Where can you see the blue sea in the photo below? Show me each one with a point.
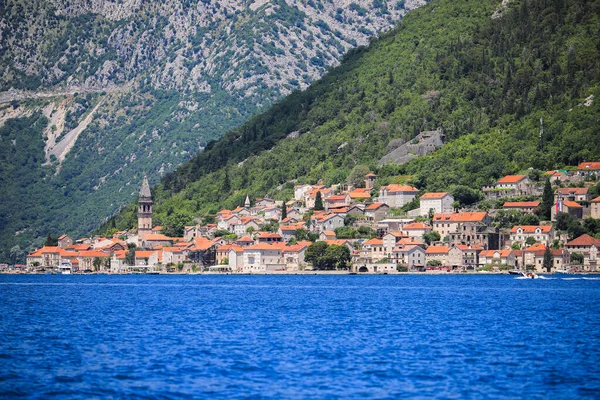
(298, 337)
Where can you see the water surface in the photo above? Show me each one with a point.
(299, 337)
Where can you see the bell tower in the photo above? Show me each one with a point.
(144, 212)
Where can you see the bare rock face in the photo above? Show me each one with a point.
(250, 48)
(424, 143)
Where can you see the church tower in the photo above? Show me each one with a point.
(144, 212)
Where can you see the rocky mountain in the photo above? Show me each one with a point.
(511, 86)
(94, 93)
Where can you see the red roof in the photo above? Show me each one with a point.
(265, 246)
(370, 175)
(361, 193)
(157, 236)
(373, 242)
(417, 226)
(92, 253)
(437, 250)
(596, 200)
(375, 206)
(144, 253)
(339, 197)
(395, 188)
(593, 166)
(584, 240)
(574, 191)
(512, 179)
(434, 195)
(478, 216)
(535, 247)
(521, 204)
(571, 204)
(53, 250)
(501, 253)
(531, 228)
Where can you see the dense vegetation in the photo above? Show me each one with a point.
(487, 82)
(168, 77)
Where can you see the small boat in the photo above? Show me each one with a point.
(515, 272)
(530, 275)
(563, 271)
(65, 268)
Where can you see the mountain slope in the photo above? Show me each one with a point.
(485, 81)
(133, 87)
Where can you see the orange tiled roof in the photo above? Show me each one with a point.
(268, 235)
(531, 228)
(501, 253)
(437, 250)
(373, 242)
(535, 247)
(574, 191)
(571, 204)
(596, 200)
(264, 246)
(93, 253)
(584, 240)
(416, 225)
(53, 250)
(594, 166)
(337, 242)
(329, 233)
(521, 204)
(157, 236)
(360, 193)
(375, 206)
(434, 195)
(336, 197)
(512, 179)
(476, 216)
(410, 240)
(144, 253)
(395, 188)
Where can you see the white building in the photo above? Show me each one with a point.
(396, 196)
(439, 202)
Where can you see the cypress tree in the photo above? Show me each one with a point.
(319, 202)
(548, 259)
(283, 211)
(547, 201)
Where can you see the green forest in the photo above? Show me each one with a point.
(488, 83)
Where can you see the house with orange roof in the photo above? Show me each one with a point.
(396, 196)
(79, 247)
(416, 229)
(272, 212)
(339, 242)
(287, 232)
(511, 186)
(64, 241)
(595, 208)
(461, 255)
(439, 253)
(445, 224)
(245, 241)
(228, 222)
(293, 256)
(587, 246)
(311, 195)
(300, 191)
(147, 258)
(497, 257)
(568, 207)
(49, 257)
(202, 252)
(154, 240)
(327, 235)
(235, 258)
(174, 255)
(86, 260)
(571, 194)
(541, 233)
(589, 168)
(439, 202)
(244, 224)
(268, 237)
(533, 257)
(359, 194)
(223, 253)
(325, 222)
(263, 257)
(527, 207)
(372, 251)
(409, 255)
(377, 211)
(390, 240)
(556, 176)
(336, 201)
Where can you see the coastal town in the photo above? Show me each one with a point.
(369, 229)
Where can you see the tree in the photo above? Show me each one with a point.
(51, 240)
(97, 263)
(465, 195)
(529, 219)
(130, 256)
(530, 241)
(434, 263)
(16, 254)
(515, 246)
(315, 252)
(548, 259)
(283, 211)
(319, 202)
(431, 237)
(547, 201)
(577, 258)
(336, 257)
(356, 177)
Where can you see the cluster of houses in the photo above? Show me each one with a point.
(258, 238)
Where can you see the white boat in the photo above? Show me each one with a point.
(64, 268)
(563, 271)
(530, 275)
